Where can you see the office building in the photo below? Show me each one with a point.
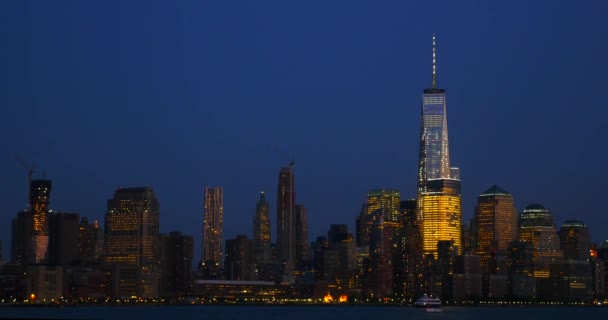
(132, 237)
(213, 216)
(495, 227)
(286, 216)
(63, 239)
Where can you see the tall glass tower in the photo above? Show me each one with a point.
(439, 208)
(434, 153)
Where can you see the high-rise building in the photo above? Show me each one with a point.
(301, 233)
(212, 228)
(439, 208)
(386, 203)
(286, 216)
(536, 227)
(575, 240)
(21, 238)
(261, 224)
(239, 259)
(434, 152)
(380, 272)
(90, 240)
(495, 227)
(30, 227)
(176, 275)
(440, 215)
(40, 196)
(63, 239)
(132, 236)
(409, 266)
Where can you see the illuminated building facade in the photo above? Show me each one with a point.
(439, 215)
(439, 207)
(286, 216)
(261, 223)
(385, 202)
(40, 196)
(132, 236)
(495, 227)
(212, 227)
(536, 227)
(575, 240)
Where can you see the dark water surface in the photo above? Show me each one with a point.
(301, 312)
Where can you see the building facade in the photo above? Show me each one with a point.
(286, 216)
(132, 236)
(213, 216)
(439, 207)
(495, 227)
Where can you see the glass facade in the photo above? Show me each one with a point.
(495, 226)
(434, 157)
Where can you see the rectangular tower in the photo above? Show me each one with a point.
(286, 216)
(132, 235)
(212, 227)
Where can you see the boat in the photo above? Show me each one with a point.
(428, 302)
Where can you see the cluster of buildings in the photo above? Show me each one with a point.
(402, 248)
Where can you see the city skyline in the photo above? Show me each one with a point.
(500, 80)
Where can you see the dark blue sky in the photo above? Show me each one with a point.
(182, 95)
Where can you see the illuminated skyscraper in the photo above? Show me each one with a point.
(536, 227)
(439, 208)
(386, 203)
(132, 235)
(90, 240)
(30, 228)
(40, 195)
(495, 226)
(212, 227)
(261, 224)
(434, 153)
(286, 216)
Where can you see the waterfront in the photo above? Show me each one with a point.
(213, 312)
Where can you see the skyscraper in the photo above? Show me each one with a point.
(90, 240)
(301, 233)
(439, 206)
(212, 227)
(40, 196)
(63, 238)
(536, 227)
(575, 240)
(30, 227)
(176, 276)
(132, 235)
(286, 216)
(384, 202)
(261, 224)
(495, 227)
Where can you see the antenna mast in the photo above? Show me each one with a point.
(434, 64)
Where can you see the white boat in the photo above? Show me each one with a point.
(427, 302)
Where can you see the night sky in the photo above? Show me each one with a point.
(187, 94)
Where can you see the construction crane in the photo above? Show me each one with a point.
(30, 171)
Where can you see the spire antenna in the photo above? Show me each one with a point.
(434, 63)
